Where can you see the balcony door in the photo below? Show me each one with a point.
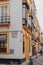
(3, 14)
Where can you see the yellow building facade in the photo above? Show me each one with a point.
(36, 37)
(16, 30)
(27, 38)
(4, 23)
(26, 30)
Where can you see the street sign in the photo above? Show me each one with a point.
(14, 34)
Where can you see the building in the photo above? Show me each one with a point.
(16, 19)
(15, 31)
(35, 38)
(41, 39)
(26, 29)
(11, 31)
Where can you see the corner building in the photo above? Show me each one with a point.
(15, 31)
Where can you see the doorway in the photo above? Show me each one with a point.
(33, 50)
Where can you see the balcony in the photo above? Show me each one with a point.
(25, 27)
(25, 3)
(4, 20)
(24, 22)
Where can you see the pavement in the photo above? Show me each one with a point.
(34, 58)
(36, 61)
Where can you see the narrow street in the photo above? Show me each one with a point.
(21, 32)
(36, 61)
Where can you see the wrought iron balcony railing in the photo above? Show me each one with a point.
(27, 5)
(4, 20)
(24, 22)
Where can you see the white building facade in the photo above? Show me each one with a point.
(14, 22)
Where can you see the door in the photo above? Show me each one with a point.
(33, 50)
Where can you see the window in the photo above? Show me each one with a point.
(3, 42)
(23, 47)
(23, 10)
(4, 14)
(29, 44)
(4, 10)
(23, 44)
(24, 15)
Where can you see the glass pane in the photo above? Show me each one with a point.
(3, 42)
(2, 11)
(0, 14)
(23, 13)
(6, 12)
(5, 45)
(1, 45)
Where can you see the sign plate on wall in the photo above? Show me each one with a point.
(14, 34)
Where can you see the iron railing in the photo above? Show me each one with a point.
(24, 22)
(27, 5)
(4, 19)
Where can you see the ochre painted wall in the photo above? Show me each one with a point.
(27, 46)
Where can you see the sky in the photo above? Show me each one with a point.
(39, 8)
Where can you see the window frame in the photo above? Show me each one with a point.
(7, 52)
(7, 21)
(23, 45)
